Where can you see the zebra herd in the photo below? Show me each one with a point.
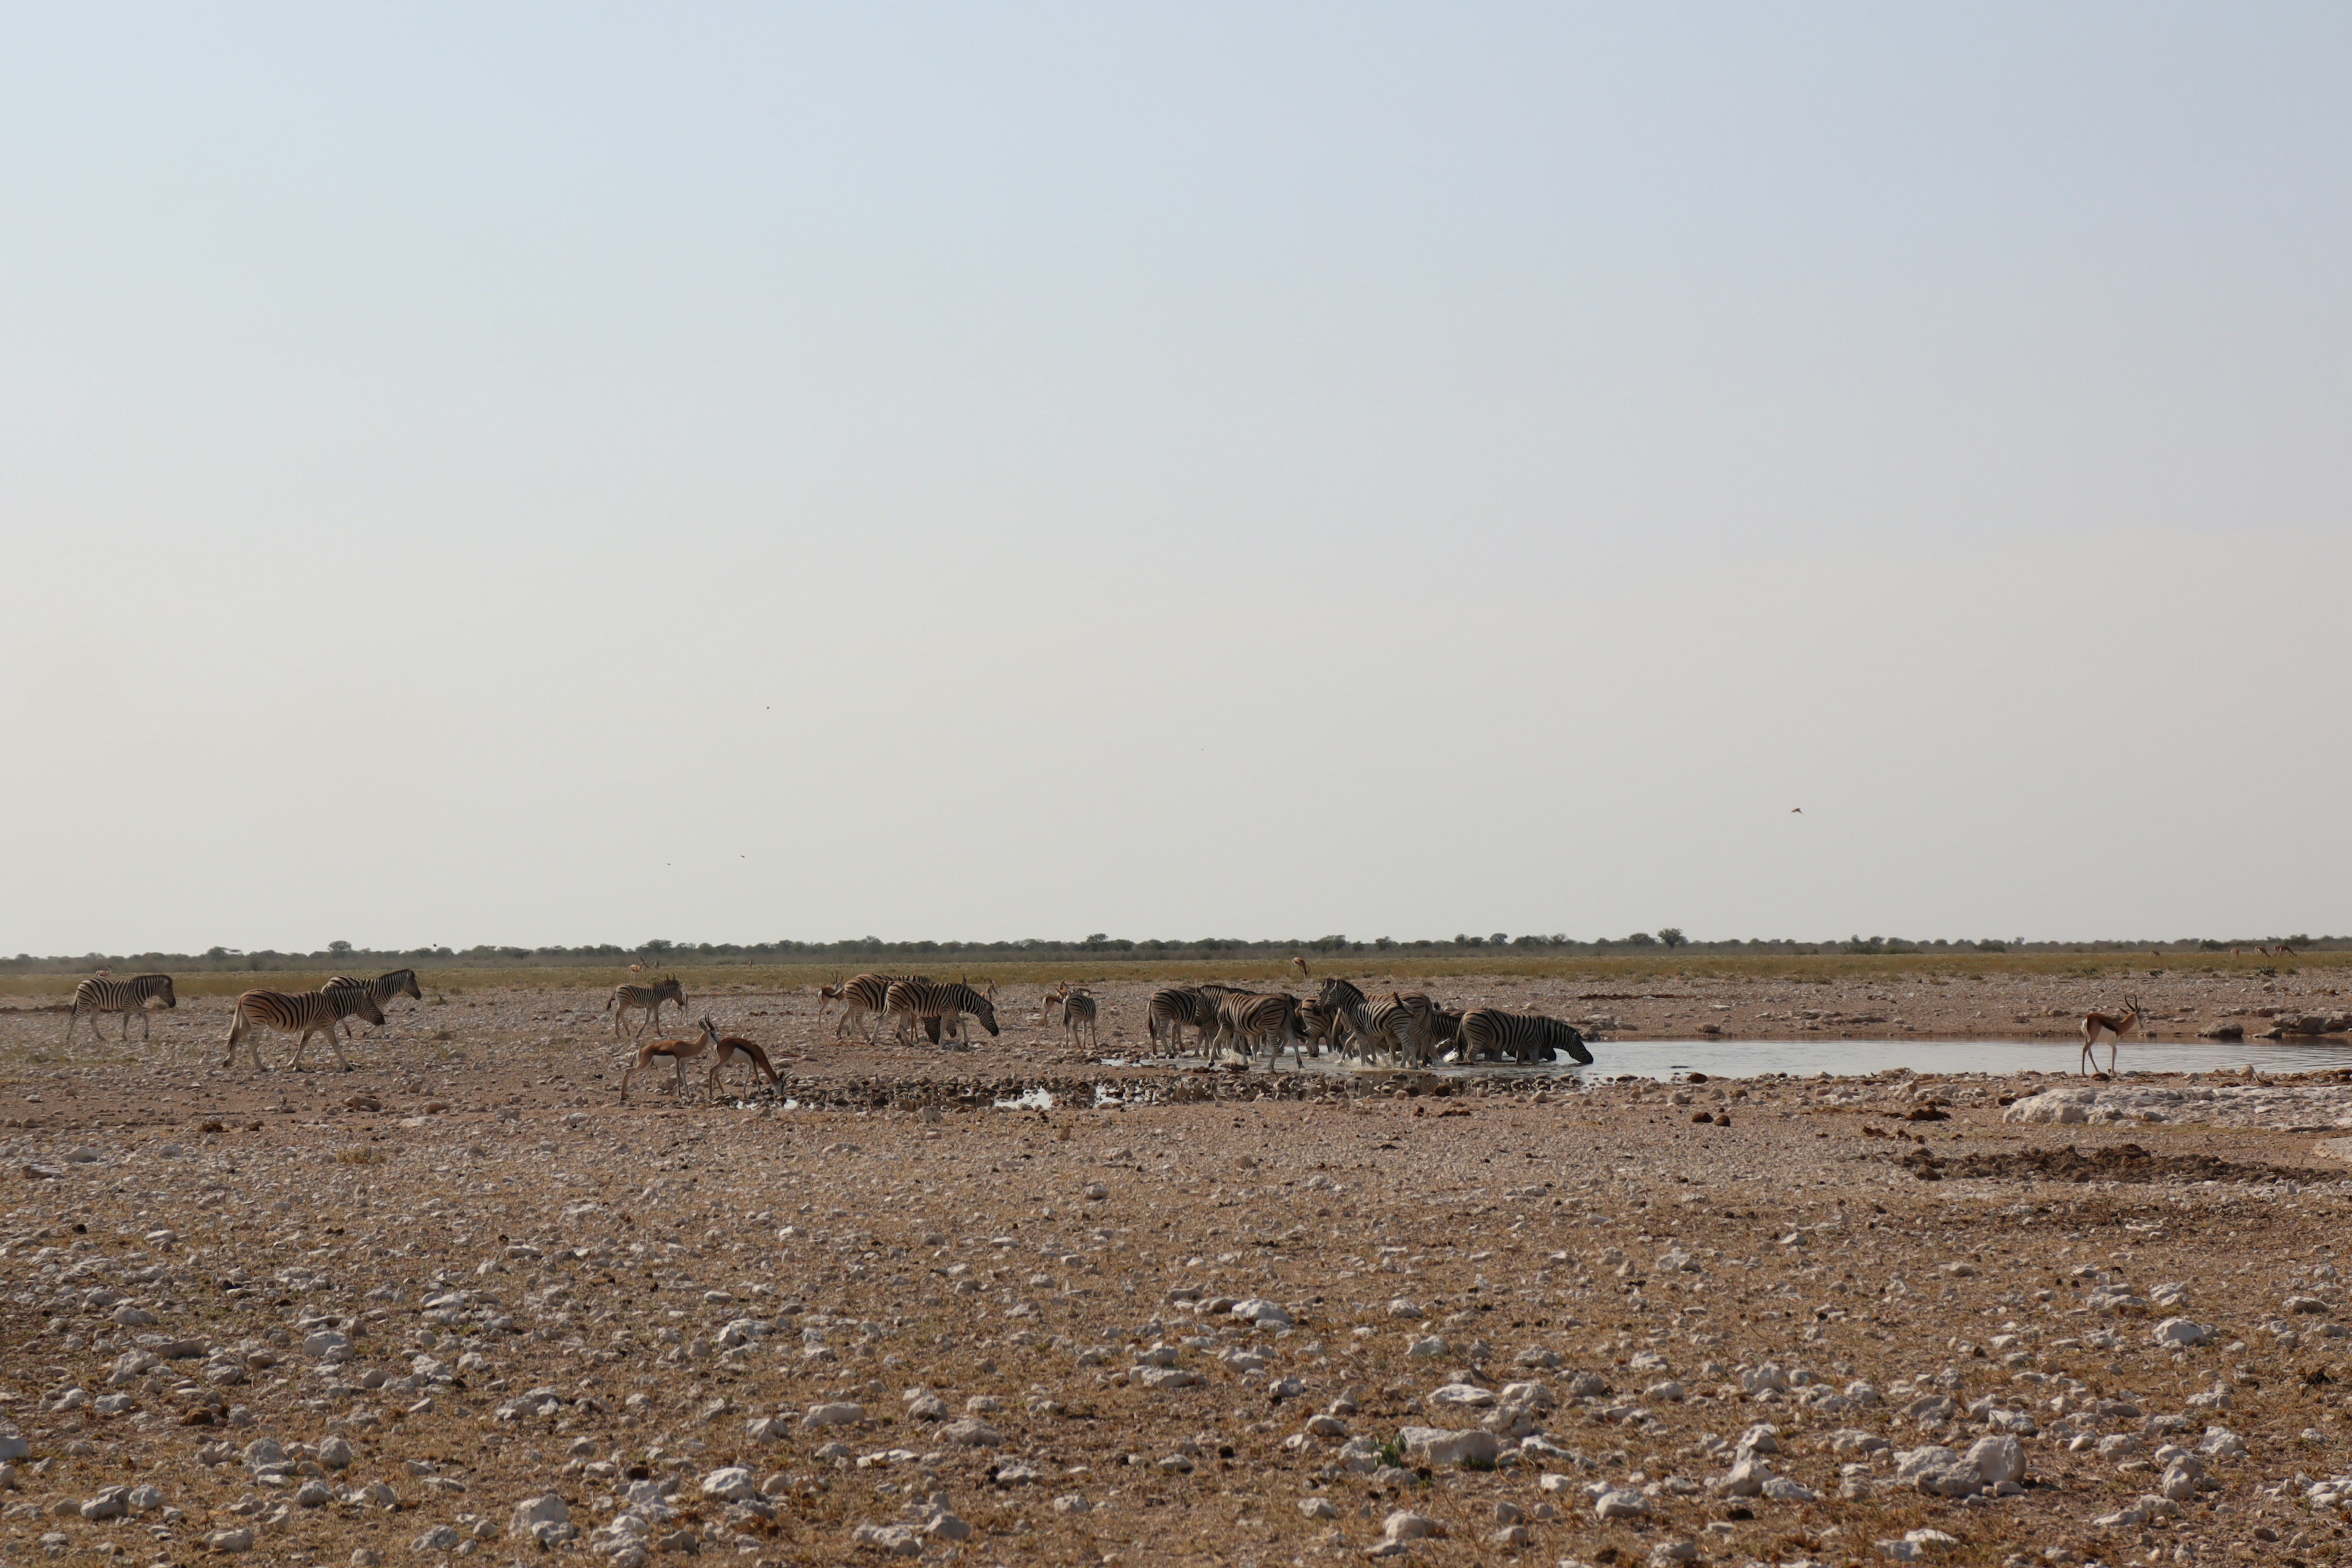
(1404, 1029)
(302, 1014)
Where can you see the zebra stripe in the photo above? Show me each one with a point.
(1522, 1037)
(860, 996)
(1406, 1024)
(1172, 1007)
(1244, 1020)
(1077, 1008)
(920, 1001)
(380, 990)
(123, 996)
(648, 999)
(299, 1012)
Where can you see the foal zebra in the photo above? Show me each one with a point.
(860, 996)
(380, 990)
(1522, 1037)
(628, 999)
(931, 1002)
(123, 996)
(299, 1012)
(1077, 1008)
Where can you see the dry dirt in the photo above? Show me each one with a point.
(313, 1315)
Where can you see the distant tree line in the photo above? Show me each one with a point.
(854, 950)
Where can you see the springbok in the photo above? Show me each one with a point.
(2109, 1028)
(723, 1051)
(1300, 959)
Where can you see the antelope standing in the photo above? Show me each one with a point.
(2111, 1029)
(724, 1051)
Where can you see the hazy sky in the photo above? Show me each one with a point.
(576, 473)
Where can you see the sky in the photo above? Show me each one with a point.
(577, 473)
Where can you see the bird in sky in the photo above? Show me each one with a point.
(1796, 811)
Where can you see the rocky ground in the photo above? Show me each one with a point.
(461, 1302)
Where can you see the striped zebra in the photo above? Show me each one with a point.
(99, 997)
(861, 997)
(382, 988)
(648, 999)
(1246, 1020)
(1521, 1037)
(1404, 1026)
(1351, 1019)
(299, 1012)
(933, 1004)
(1077, 1008)
(1173, 1009)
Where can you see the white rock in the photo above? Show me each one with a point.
(1780, 1489)
(1458, 1395)
(1401, 1307)
(1318, 1507)
(1616, 1503)
(1404, 1526)
(1265, 1314)
(729, 1485)
(1997, 1462)
(970, 1433)
(1436, 1446)
(841, 1413)
(2180, 1331)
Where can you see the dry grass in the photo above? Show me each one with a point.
(1826, 968)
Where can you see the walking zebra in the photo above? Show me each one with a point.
(123, 996)
(1077, 1008)
(1522, 1037)
(299, 1012)
(936, 1004)
(381, 989)
(628, 999)
(1245, 1020)
(1173, 1007)
(861, 997)
(1405, 1026)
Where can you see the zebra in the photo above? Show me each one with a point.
(1172, 1007)
(1522, 1037)
(302, 1014)
(384, 988)
(1077, 1008)
(124, 997)
(860, 995)
(937, 1003)
(1245, 1019)
(1350, 1017)
(1407, 1025)
(628, 999)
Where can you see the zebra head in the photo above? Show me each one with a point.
(1573, 1041)
(985, 1011)
(407, 987)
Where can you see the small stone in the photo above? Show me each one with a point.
(1318, 1507)
(1617, 1503)
(239, 1540)
(1071, 1503)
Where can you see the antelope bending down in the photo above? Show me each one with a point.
(724, 1051)
(2107, 1027)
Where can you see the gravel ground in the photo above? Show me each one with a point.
(460, 1301)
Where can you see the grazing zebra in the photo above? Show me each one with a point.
(724, 1051)
(384, 988)
(860, 996)
(940, 1005)
(1522, 1037)
(1245, 1020)
(628, 999)
(124, 997)
(1077, 1008)
(1172, 1007)
(299, 1013)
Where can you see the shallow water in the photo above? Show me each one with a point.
(1665, 1059)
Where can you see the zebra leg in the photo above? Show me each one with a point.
(341, 1060)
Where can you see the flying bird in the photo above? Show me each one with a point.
(1796, 811)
